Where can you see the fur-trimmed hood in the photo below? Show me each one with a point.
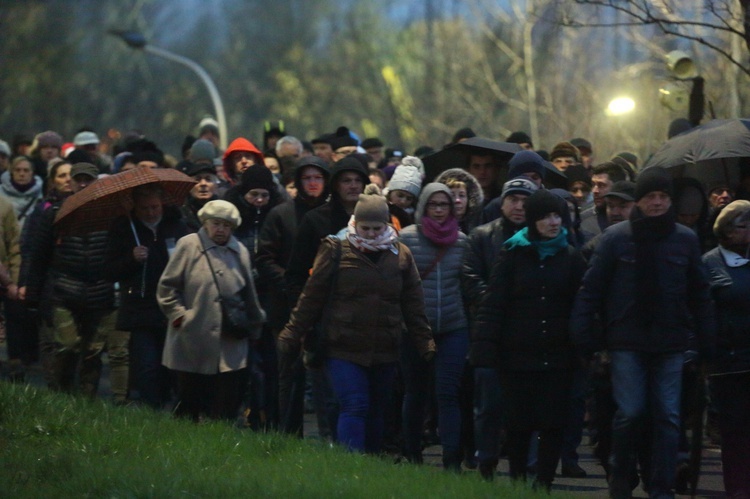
(473, 189)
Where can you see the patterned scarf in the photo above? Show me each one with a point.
(381, 243)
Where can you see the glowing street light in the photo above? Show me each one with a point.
(136, 40)
(620, 106)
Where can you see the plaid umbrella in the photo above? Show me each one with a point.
(95, 207)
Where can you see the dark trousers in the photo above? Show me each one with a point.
(517, 445)
(291, 394)
(731, 397)
(152, 379)
(22, 332)
(218, 396)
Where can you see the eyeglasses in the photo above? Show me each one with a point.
(441, 206)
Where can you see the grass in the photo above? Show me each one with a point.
(52, 445)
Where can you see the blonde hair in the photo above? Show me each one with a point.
(455, 184)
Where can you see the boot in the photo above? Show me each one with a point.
(487, 469)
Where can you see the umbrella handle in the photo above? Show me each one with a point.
(138, 243)
(135, 234)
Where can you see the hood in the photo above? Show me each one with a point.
(239, 144)
(11, 190)
(428, 191)
(317, 162)
(473, 189)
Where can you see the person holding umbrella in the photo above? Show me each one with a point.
(138, 250)
(67, 283)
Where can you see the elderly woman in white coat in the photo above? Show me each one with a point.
(210, 366)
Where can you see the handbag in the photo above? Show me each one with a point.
(314, 353)
(235, 322)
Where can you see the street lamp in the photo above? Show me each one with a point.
(683, 68)
(620, 105)
(136, 40)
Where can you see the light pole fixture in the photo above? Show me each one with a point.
(136, 40)
(620, 106)
(683, 68)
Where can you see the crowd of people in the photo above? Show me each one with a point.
(491, 308)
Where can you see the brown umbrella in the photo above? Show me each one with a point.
(95, 207)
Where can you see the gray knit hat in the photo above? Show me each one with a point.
(223, 210)
(372, 206)
(406, 178)
(519, 185)
(203, 151)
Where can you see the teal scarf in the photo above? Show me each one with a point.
(544, 248)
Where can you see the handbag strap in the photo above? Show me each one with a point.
(211, 267)
(440, 254)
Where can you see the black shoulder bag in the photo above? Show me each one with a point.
(235, 322)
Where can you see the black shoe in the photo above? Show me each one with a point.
(573, 471)
(488, 469)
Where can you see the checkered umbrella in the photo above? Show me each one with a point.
(96, 206)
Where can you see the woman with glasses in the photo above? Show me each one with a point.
(438, 248)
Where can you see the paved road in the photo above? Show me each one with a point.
(595, 485)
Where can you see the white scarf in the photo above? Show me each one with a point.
(381, 243)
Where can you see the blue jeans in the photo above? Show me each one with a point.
(362, 392)
(448, 369)
(645, 382)
(488, 413)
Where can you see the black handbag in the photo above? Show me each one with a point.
(235, 321)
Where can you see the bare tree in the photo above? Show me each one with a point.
(718, 17)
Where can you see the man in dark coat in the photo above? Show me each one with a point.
(67, 282)
(594, 218)
(138, 250)
(276, 240)
(647, 283)
(484, 245)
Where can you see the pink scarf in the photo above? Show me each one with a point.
(444, 234)
(381, 243)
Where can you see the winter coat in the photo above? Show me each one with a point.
(484, 244)
(474, 193)
(138, 281)
(187, 290)
(522, 323)
(442, 287)
(10, 253)
(275, 243)
(68, 268)
(371, 302)
(609, 288)
(315, 225)
(189, 211)
(730, 288)
(23, 202)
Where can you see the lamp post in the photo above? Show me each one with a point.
(683, 68)
(136, 40)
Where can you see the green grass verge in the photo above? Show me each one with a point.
(52, 445)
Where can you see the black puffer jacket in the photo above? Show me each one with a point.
(252, 217)
(523, 320)
(73, 266)
(138, 281)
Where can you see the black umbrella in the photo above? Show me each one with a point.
(457, 155)
(708, 152)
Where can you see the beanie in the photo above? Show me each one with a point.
(406, 178)
(519, 138)
(85, 138)
(203, 150)
(372, 206)
(653, 179)
(565, 150)
(577, 173)
(49, 139)
(582, 144)
(539, 205)
(729, 215)
(256, 177)
(342, 138)
(678, 126)
(519, 185)
(78, 156)
(524, 162)
(463, 133)
(222, 210)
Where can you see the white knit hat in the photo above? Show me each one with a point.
(406, 178)
(223, 210)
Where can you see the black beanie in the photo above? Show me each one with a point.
(653, 179)
(256, 177)
(524, 162)
(577, 173)
(342, 138)
(519, 138)
(539, 205)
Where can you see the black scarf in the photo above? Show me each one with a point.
(648, 232)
